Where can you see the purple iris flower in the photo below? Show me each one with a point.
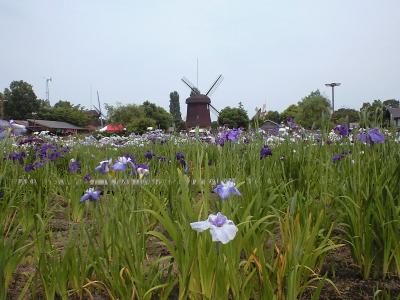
(87, 178)
(185, 166)
(226, 189)
(74, 166)
(38, 165)
(29, 167)
(234, 135)
(161, 158)
(54, 155)
(221, 229)
(17, 156)
(337, 157)
(130, 157)
(342, 130)
(122, 163)
(149, 155)
(291, 123)
(17, 129)
(65, 149)
(142, 170)
(103, 167)
(179, 156)
(362, 137)
(91, 194)
(265, 151)
(374, 136)
(220, 141)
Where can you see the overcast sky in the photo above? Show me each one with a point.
(270, 52)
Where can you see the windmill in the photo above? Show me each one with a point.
(199, 105)
(98, 110)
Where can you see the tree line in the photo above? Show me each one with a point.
(20, 102)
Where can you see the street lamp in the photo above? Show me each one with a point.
(332, 85)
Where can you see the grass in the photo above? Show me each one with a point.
(137, 243)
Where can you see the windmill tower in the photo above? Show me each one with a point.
(199, 105)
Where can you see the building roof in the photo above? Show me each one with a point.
(394, 112)
(269, 124)
(55, 124)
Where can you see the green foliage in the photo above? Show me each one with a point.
(311, 110)
(291, 111)
(162, 118)
(137, 117)
(233, 117)
(140, 125)
(65, 111)
(391, 103)
(345, 115)
(175, 109)
(274, 116)
(20, 101)
(376, 113)
(124, 114)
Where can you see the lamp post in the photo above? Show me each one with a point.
(332, 85)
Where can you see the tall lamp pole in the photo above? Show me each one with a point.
(47, 89)
(332, 85)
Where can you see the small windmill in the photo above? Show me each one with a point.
(199, 105)
(262, 112)
(98, 110)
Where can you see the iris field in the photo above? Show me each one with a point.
(248, 217)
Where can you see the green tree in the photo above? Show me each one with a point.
(377, 113)
(233, 117)
(292, 111)
(391, 103)
(344, 115)
(130, 114)
(175, 109)
(66, 112)
(311, 110)
(140, 125)
(162, 118)
(20, 101)
(273, 116)
(125, 114)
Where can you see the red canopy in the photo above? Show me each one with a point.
(113, 128)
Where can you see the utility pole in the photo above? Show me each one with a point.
(332, 85)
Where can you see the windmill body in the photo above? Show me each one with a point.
(199, 105)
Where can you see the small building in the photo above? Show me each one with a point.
(394, 116)
(55, 127)
(269, 125)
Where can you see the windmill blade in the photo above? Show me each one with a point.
(101, 113)
(190, 85)
(215, 85)
(98, 101)
(213, 109)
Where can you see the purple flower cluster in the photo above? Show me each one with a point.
(291, 123)
(373, 136)
(149, 154)
(265, 151)
(74, 166)
(342, 130)
(232, 135)
(338, 157)
(17, 156)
